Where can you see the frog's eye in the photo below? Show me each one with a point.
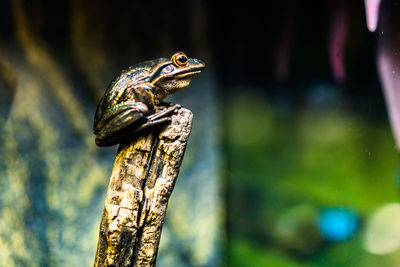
(179, 59)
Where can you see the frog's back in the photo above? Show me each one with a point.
(122, 83)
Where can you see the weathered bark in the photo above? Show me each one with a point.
(144, 175)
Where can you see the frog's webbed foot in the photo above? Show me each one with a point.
(159, 117)
(152, 123)
(163, 112)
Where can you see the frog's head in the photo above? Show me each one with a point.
(175, 74)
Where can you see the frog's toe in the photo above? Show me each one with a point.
(162, 113)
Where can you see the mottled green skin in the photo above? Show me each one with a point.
(133, 100)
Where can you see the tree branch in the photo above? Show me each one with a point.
(144, 175)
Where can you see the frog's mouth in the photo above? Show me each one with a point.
(188, 73)
(178, 81)
(192, 70)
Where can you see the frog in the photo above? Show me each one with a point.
(134, 100)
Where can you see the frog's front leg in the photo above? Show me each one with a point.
(144, 93)
(118, 123)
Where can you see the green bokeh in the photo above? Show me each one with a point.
(288, 164)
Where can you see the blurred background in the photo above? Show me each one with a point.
(292, 160)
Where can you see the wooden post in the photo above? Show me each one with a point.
(142, 180)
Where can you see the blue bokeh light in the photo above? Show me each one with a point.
(337, 224)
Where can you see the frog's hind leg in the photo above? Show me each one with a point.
(163, 112)
(121, 124)
(117, 128)
(158, 118)
(152, 123)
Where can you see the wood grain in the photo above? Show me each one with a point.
(142, 180)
